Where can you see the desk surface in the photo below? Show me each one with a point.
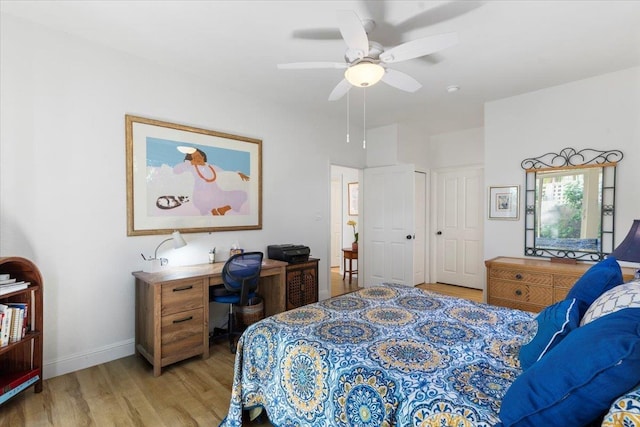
(269, 267)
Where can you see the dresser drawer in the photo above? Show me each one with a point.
(525, 306)
(181, 296)
(560, 294)
(522, 276)
(521, 292)
(564, 281)
(181, 335)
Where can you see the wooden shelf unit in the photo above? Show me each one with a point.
(533, 284)
(21, 361)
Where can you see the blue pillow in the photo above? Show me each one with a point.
(577, 381)
(554, 323)
(594, 282)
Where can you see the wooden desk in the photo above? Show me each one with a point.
(349, 254)
(172, 309)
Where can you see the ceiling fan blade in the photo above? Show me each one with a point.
(400, 80)
(437, 14)
(376, 10)
(340, 90)
(311, 65)
(317, 34)
(419, 47)
(353, 31)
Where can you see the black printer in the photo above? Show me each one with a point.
(289, 253)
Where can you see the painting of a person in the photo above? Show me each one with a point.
(208, 197)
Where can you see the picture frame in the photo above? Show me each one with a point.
(190, 179)
(504, 202)
(352, 191)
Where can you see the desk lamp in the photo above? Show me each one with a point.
(178, 242)
(629, 249)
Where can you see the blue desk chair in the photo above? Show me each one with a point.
(240, 276)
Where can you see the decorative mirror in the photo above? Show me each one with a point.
(570, 199)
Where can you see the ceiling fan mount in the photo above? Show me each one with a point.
(351, 56)
(366, 61)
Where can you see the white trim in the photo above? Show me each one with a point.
(85, 360)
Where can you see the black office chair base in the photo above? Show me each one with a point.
(218, 334)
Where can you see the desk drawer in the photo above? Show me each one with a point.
(521, 292)
(181, 296)
(182, 334)
(522, 276)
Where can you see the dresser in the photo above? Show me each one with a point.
(533, 284)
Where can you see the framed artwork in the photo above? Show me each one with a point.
(189, 179)
(352, 188)
(504, 202)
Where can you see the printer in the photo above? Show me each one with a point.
(289, 253)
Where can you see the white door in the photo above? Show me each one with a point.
(336, 222)
(459, 228)
(419, 240)
(388, 224)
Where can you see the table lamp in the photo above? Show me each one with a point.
(629, 249)
(178, 242)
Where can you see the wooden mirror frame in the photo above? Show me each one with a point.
(568, 159)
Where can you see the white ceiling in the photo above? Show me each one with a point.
(506, 47)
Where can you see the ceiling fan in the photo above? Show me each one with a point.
(366, 61)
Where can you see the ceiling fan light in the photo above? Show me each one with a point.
(364, 74)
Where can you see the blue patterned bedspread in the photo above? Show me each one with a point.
(386, 355)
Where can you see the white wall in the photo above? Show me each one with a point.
(413, 145)
(456, 149)
(602, 113)
(382, 146)
(63, 187)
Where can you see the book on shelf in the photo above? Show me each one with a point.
(5, 325)
(7, 281)
(21, 385)
(17, 321)
(25, 324)
(13, 287)
(14, 282)
(14, 379)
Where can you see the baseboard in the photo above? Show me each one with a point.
(76, 362)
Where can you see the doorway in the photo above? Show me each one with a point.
(341, 234)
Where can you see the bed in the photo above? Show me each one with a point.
(391, 355)
(383, 355)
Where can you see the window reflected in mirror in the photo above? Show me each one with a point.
(568, 209)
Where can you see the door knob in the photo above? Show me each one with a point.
(409, 237)
(439, 233)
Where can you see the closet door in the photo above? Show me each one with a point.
(459, 227)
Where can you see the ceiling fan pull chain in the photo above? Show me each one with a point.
(347, 117)
(364, 117)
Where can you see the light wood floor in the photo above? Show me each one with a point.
(124, 392)
(339, 286)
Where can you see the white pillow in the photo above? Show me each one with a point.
(622, 296)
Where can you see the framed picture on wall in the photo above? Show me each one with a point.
(504, 202)
(190, 179)
(352, 188)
